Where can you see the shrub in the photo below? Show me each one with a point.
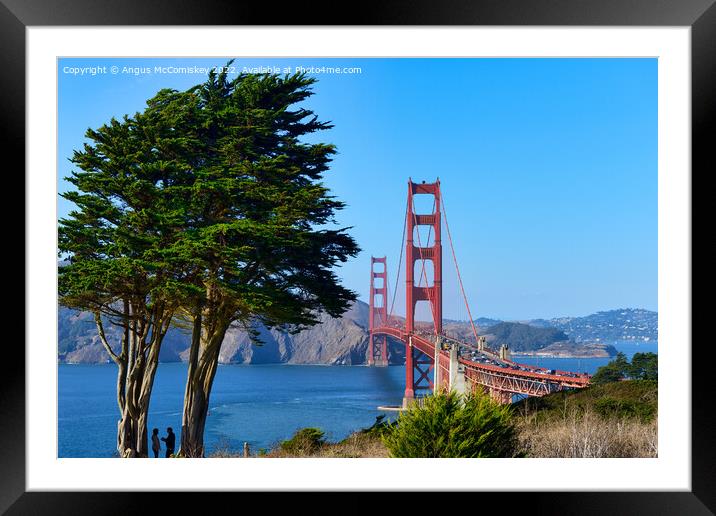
(643, 366)
(304, 441)
(448, 424)
(379, 428)
(624, 409)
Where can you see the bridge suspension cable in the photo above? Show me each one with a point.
(400, 264)
(457, 268)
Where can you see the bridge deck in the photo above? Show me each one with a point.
(503, 374)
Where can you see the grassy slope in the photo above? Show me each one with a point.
(630, 399)
(611, 420)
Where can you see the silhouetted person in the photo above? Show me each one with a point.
(156, 446)
(170, 439)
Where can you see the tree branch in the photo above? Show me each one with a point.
(103, 338)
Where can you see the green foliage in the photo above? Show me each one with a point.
(523, 337)
(379, 428)
(453, 425)
(608, 373)
(632, 399)
(644, 366)
(250, 201)
(304, 441)
(209, 197)
(609, 407)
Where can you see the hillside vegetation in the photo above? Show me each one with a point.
(522, 337)
(628, 399)
(616, 419)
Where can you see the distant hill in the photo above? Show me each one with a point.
(486, 322)
(345, 340)
(611, 325)
(607, 326)
(522, 337)
(571, 349)
(342, 341)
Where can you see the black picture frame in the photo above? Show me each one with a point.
(700, 15)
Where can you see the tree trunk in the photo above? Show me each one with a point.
(145, 392)
(132, 436)
(127, 435)
(136, 367)
(200, 379)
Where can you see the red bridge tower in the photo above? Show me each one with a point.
(378, 314)
(418, 365)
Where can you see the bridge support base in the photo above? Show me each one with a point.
(457, 376)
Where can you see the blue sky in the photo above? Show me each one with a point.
(548, 167)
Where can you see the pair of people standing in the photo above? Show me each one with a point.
(170, 441)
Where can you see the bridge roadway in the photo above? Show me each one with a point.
(502, 378)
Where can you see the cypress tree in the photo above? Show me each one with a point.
(207, 207)
(258, 231)
(116, 247)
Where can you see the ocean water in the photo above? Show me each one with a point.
(259, 404)
(588, 365)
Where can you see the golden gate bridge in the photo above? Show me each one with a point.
(433, 359)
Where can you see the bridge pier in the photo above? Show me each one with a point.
(505, 352)
(457, 375)
(377, 350)
(378, 311)
(437, 373)
(409, 394)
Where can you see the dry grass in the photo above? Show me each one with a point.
(585, 434)
(223, 450)
(357, 445)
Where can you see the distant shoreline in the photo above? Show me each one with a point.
(565, 355)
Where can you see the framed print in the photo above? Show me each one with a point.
(556, 142)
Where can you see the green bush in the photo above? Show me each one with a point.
(453, 425)
(306, 440)
(644, 366)
(615, 408)
(379, 428)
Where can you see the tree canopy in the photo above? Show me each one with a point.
(643, 366)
